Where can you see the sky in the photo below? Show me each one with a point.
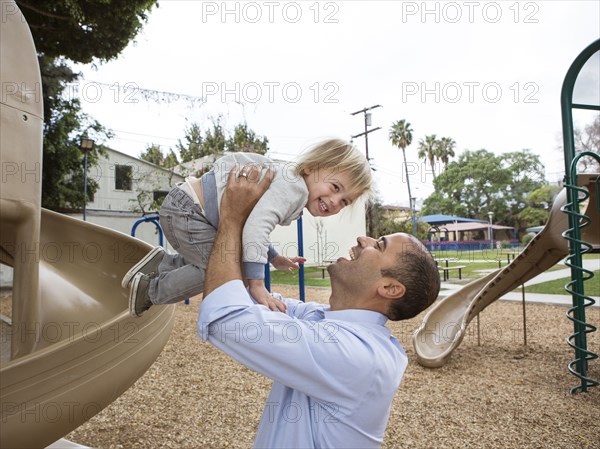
(486, 74)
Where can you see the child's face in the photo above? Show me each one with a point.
(329, 191)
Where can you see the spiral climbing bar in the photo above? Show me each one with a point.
(580, 275)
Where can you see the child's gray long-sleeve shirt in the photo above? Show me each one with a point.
(282, 203)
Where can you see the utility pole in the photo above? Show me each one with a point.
(367, 116)
(86, 145)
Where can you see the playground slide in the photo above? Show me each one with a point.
(87, 349)
(444, 326)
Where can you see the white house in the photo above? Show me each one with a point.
(123, 179)
(116, 204)
(126, 186)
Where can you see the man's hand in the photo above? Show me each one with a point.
(287, 264)
(244, 189)
(261, 295)
(241, 194)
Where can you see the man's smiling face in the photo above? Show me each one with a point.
(360, 273)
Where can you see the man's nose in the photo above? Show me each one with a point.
(363, 240)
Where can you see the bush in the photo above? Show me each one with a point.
(527, 238)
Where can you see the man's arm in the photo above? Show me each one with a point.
(239, 198)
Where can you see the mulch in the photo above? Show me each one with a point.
(493, 393)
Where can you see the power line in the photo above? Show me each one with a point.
(144, 135)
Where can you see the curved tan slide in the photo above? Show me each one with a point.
(444, 326)
(70, 347)
(87, 349)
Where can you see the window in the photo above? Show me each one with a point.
(123, 176)
(159, 196)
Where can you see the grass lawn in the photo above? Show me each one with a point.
(472, 270)
(556, 287)
(312, 277)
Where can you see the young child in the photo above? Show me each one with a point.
(330, 176)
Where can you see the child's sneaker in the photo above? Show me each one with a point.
(148, 266)
(139, 301)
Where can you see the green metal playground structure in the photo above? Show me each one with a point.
(577, 220)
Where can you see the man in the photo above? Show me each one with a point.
(335, 369)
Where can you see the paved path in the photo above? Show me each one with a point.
(563, 300)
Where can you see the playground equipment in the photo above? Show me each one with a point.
(155, 221)
(568, 232)
(70, 347)
(579, 223)
(301, 291)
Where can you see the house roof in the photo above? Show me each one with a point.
(535, 229)
(463, 227)
(444, 219)
(137, 159)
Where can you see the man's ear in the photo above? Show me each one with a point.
(391, 288)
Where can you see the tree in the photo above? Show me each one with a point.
(468, 187)
(64, 124)
(246, 140)
(431, 149)
(154, 155)
(82, 30)
(481, 182)
(193, 145)
(537, 206)
(588, 140)
(527, 173)
(215, 140)
(445, 150)
(170, 160)
(400, 135)
(428, 150)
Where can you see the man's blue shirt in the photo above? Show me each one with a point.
(335, 373)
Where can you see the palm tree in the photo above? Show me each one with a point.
(446, 150)
(401, 136)
(429, 150)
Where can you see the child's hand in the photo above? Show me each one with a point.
(286, 264)
(261, 295)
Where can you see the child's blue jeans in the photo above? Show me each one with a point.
(181, 275)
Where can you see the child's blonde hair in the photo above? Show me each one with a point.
(343, 156)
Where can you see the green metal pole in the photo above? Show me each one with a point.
(573, 235)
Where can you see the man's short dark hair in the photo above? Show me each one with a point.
(417, 271)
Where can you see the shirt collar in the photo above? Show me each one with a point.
(356, 315)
